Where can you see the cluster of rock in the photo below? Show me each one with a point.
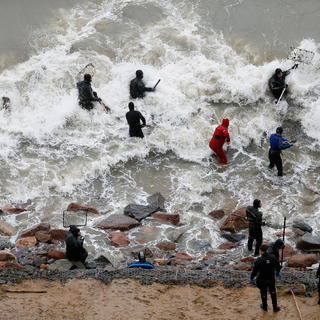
(43, 248)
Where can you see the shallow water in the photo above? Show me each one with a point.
(214, 59)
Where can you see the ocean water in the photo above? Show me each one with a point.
(214, 59)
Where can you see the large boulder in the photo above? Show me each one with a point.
(172, 218)
(58, 234)
(227, 246)
(166, 245)
(183, 256)
(27, 242)
(157, 200)
(234, 223)
(6, 255)
(77, 206)
(43, 236)
(309, 241)
(287, 252)
(302, 260)
(217, 214)
(118, 239)
(302, 226)
(9, 209)
(7, 229)
(233, 237)
(56, 254)
(140, 212)
(32, 231)
(118, 222)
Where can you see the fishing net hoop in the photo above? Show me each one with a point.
(89, 68)
(300, 55)
(76, 217)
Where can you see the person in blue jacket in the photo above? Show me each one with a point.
(276, 145)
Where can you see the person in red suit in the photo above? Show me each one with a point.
(220, 135)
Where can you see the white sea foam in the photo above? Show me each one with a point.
(54, 153)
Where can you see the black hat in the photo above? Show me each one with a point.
(87, 77)
(257, 203)
(74, 230)
(131, 106)
(279, 130)
(278, 71)
(279, 243)
(139, 74)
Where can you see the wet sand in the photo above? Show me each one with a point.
(128, 299)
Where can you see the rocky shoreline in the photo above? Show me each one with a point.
(39, 253)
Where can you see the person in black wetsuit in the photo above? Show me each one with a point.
(74, 245)
(137, 87)
(133, 118)
(265, 266)
(277, 81)
(276, 145)
(318, 276)
(275, 247)
(255, 222)
(86, 94)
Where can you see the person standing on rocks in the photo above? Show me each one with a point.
(318, 276)
(74, 245)
(255, 222)
(265, 267)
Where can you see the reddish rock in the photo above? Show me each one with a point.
(118, 222)
(248, 259)
(242, 266)
(147, 230)
(58, 234)
(207, 257)
(76, 206)
(9, 209)
(27, 242)
(4, 264)
(56, 254)
(217, 214)
(227, 245)
(43, 236)
(183, 256)
(118, 239)
(172, 218)
(32, 231)
(3, 256)
(141, 241)
(166, 245)
(287, 252)
(234, 223)
(302, 260)
(299, 231)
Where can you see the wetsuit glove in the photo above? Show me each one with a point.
(277, 274)
(250, 280)
(291, 144)
(284, 139)
(153, 90)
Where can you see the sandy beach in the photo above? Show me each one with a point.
(128, 299)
